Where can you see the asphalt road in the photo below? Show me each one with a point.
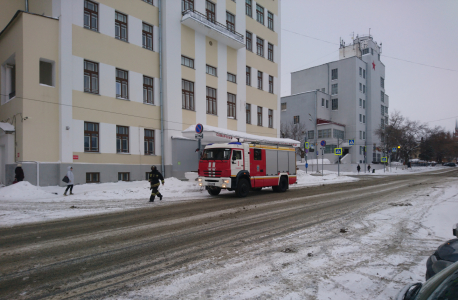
(100, 256)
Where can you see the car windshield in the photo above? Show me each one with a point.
(216, 154)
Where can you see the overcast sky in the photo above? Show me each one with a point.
(421, 31)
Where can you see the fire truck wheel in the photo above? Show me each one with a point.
(214, 191)
(283, 184)
(243, 188)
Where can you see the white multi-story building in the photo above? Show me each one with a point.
(342, 100)
(111, 86)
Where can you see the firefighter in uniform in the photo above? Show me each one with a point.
(154, 177)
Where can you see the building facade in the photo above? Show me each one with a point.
(109, 86)
(343, 100)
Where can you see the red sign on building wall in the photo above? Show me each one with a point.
(75, 157)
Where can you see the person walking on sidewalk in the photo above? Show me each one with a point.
(71, 178)
(19, 173)
(369, 168)
(155, 177)
(358, 168)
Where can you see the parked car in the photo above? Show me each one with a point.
(449, 164)
(445, 255)
(443, 286)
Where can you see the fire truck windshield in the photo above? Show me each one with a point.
(216, 154)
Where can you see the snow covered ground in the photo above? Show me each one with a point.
(25, 203)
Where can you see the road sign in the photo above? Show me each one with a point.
(199, 128)
(199, 136)
(306, 165)
(323, 143)
(394, 150)
(384, 159)
(351, 142)
(306, 145)
(338, 151)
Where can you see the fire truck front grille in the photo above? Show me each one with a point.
(211, 180)
(212, 173)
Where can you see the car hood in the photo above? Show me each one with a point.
(448, 251)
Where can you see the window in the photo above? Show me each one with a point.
(386, 120)
(259, 116)
(270, 116)
(283, 106)
(360, 102)
(260, 80)
(211, 70)
(148, 1)
(92, 177)
(123, 176)
(364, 135)
(122, 84)
(149, 142)
(248, 113)
(360, 87)
(122, 139)
(271, 84)
(364, 73)
(270, 20)
(260, 14)
(211, 101)
(360, 118)
(323, 90)
(270, 52)
(325, 133)
(210, 9)
(46, 73)
(11, 78)
(231, 104)
(147, 36)
(364, 118)
(187, 5)
(382, 123)
(386, 109)
(231, 77)
(382, 109)
(187, 94)
(91, 137)
(364, 103)
(188, 62)
(382, 82)
(91, 77)
(230, 22)
(360, 135)
(248, 8)
(365, 51)
(335, 104)
(311, 134)
(257, 154)
(360, 71)
(148, 90)
(382, 96)
(364, 88)
(248, 75)
(334, 89)
(334, 74)
(296, 120)
(329, 149)
(372, 51)
(322, 102)
(338, 134)
(91, 15)
(259, 46)
(121, 26)
(249, 41)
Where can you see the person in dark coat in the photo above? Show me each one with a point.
(19, 173)
(155, 179)
(358, 168)
(369, 168)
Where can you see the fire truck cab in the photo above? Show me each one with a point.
(240, 167)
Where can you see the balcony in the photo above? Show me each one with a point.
(200, 23)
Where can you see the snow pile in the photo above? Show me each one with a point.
(314, 162)
(23, 190)
(307, 179)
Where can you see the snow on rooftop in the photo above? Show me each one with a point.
(7, 127)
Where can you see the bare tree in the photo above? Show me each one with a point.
(296, 132)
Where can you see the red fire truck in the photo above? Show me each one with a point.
(240, 167)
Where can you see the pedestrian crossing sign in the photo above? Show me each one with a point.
(338, 151)
(384, 159)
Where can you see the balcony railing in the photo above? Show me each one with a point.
(221, 28)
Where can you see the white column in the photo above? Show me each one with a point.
(65, 82)
(107, 20)
(222, 86)
(107, 138)
(134, 28)
(134, 140)
(78, 73)
(135, 87)
(78, 136)
(107, 80)
(241, 69)
(201, 79)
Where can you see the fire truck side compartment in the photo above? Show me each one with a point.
(271, 163)
(283, 161)
(292, 162)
